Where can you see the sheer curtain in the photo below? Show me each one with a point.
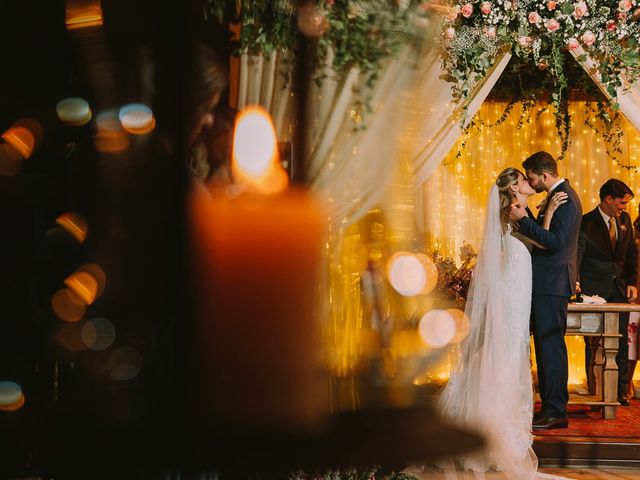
(353, 154)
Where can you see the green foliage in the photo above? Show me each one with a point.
(360, 473)
(539, 34)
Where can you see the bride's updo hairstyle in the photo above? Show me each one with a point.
(507, 178)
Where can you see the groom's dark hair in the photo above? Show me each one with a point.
(615, 188)
(541, 162)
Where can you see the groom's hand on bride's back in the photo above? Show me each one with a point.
(516, 212)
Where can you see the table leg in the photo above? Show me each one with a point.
(594, 369)
(610, 373)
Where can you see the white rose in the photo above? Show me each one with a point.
(580, 10)
(588, 38)
(535, 18)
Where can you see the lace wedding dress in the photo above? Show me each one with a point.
(490, 389)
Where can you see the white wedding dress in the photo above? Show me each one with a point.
(490, 389)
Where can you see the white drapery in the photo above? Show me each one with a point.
(628, 96)
(413, 117)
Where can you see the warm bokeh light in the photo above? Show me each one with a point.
(431, 272)
(125, 363)
(462, 324)
(98, 334)
(34, 127)
(98, 275)
(110, 137)
(83, 285)
(11, 397)
(437, 328)
(74, 111)
(82, 14)
(70, 337)
(255, 153)
(21, 140)
(312, 21)
(137, 119)
(406, 274)
(67, 305)
(10, 160)
(74, 224)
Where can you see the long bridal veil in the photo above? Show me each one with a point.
(490, 386)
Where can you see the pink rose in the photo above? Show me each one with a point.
(490, 32)
(466, 10)
(611, 25)
(580, 10)
(525, 41)
(551, 5)
(485, 8)
(534, 17)
(588, 38)
(450, 33)
(625, 5)
(622, 16)
(573, 44)
(552, 25)
(636, 13)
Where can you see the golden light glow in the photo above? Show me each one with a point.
(111, 137)
(412, 274)
(437, 328)
(67, 305)
(74, 224)
(448, 228)
(406, 274)
(462, 324)
(81, 14)
(21, 140)
(74, 111)
(137, 119)
(255, 153)
(111, 142)
(83, 285)
(431, 272)
(10, 160)
(97, 274)
(70, 337)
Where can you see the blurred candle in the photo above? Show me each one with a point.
(257, 252)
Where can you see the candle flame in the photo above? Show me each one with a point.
(255, 153)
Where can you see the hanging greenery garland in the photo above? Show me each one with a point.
(539, 33)
(358, 33)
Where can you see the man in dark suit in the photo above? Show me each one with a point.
(607, 257)
(554, 281)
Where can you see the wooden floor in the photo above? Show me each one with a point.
(595, 473)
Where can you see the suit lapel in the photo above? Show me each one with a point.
(600, 232)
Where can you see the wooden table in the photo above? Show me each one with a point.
(599, 323)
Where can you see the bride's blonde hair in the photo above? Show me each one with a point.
(507, 178)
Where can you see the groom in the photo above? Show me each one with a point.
(554, 281)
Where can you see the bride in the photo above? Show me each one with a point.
(490, 389)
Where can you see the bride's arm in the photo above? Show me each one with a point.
(558, 199)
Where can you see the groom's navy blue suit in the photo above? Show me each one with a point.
(554, 281)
